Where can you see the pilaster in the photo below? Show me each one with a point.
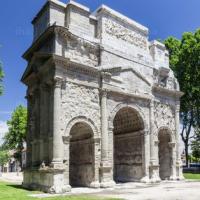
(172, 145)
(146, 157)
(66, 141)
(106, 167)
(179, 170)
(154, 167)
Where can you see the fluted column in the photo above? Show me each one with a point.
(153, 161)
(66, 141)
(29, 133)
(57, 139)
(146, 157)
(172, 146)
(179, 172)
(106, 167)
(104, 127)
(95, 183)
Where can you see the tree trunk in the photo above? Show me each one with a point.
(186, 155)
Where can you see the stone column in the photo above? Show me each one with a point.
(66, 141)
(179, 172)
(57, 139)
(146, 157)
(104, 127)
(153, 161)
(41, 132)
(172, 146)
(29, 133)
(106, 180)
(95, 183)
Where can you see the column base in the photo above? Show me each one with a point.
(179, 171)
(107, 184)
(154, 171)
(57, 165)
(95, 184)
(155, 178)
(173, 178)
(106, 176)
(59, 189)
(145, 179)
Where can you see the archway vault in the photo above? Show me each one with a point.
(128, 145)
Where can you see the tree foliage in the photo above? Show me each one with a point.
(4, 157)
(16, 135)
(195, 145)
(185, 62)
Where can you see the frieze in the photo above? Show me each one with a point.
(120, 32)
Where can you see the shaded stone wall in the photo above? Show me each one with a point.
(165, 155)
(128, 157)
(81, 162)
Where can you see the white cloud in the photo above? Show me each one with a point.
(3, 130)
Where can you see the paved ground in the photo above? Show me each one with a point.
(12, 177)
(176, 190)
(183, 190)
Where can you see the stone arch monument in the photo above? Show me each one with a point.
(103, 104)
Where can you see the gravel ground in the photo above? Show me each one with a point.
(166, 190)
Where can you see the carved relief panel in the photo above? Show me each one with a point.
(164, 115)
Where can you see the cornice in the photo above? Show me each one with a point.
(103, 9)
(37, 43)
(53, 30)
(167, 92)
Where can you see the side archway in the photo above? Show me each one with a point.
(165, 152)
(82, 147)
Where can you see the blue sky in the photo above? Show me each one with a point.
(163, 18)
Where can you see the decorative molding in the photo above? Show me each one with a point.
(120, 32)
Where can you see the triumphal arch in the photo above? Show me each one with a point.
(103, 104)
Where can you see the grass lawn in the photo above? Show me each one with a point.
(192, 176)
(10, 191)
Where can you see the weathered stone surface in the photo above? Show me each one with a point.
(103, 103)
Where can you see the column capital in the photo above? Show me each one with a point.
(66, 139)
(151, 103)
(177, 107)
(44, 86)
(58, 81)
(104, 93)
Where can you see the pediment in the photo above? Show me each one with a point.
(129, 79)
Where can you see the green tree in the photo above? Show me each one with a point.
(16, 135)
(185, 62)
(195, 146)
(4, 158)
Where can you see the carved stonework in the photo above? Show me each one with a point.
(127, 35)
(164, 116)
(92, 82)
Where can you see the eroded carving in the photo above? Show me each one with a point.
(127, 35)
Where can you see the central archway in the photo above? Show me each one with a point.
(81, 165)
(128, 145)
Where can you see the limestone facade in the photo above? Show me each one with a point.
(103, 104)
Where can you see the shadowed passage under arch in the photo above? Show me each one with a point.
(165, 154)
(128, 145)
(81, 165)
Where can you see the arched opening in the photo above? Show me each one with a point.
(81, 165)
(165, 154)
(128, 145)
